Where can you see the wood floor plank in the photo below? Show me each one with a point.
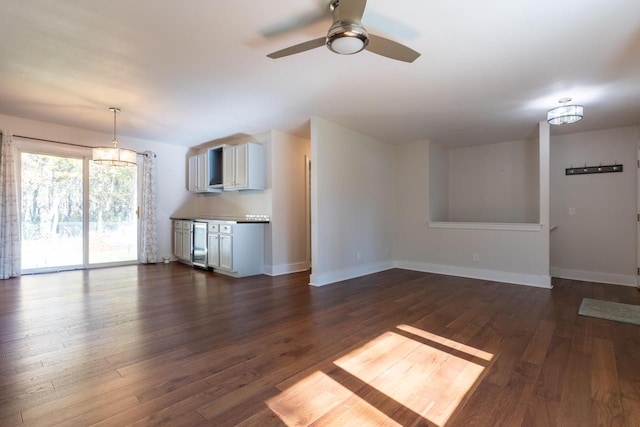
(171, 345)
(626, 342)
(539, 345)
(605, 384)
(551, 378)
(540, 412)
(576, 405)
(152, 406)
(13, 419)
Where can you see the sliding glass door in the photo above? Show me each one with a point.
(52, 212)
(76, 213)
(113, 202)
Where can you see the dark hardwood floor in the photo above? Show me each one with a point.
(170, 345)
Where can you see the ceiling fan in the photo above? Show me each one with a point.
(347, 36)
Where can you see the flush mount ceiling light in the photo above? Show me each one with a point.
(114, 156)
(565, 114)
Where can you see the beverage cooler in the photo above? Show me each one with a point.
(199, 244)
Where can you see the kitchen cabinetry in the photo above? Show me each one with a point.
(192, 184)
(228, 168)
(177, 239)
(186, 240)
(182, 240)
(220, 246)
(198, 173)
(243, 167)
(205, 172)
(215, 156)
(236, 249)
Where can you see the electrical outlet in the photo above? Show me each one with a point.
(476, 257)
(572, 211)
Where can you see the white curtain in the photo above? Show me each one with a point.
(9, 219)
(148, 252)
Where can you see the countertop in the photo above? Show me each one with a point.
(238, 219)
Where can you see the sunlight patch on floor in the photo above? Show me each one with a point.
(318, 396)
(394, 370)
(429, 381)
(447, 342)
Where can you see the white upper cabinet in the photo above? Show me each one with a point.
(198, 173)
(243, 167)
(193, 174)
(205, 171)
(202, 175)
(228, 168)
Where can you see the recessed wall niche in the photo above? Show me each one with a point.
(490, 183)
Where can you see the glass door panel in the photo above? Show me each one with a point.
(52, 211)
(113, 200)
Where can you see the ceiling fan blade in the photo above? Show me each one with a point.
(390, 49)
(301, 47)
(350, 10)
(301, 21)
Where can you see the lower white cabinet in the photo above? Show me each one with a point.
(177, 239)
(236, 249)
(182, 240)
(213, 246)
(186, 240)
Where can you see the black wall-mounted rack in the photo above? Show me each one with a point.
(593, 169)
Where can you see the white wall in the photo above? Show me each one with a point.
(288, 228)
(439, 182)
(516, 256)
(170, 169)
(494, 182)
(599, 242)
(352, 212)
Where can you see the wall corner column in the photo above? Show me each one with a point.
(544, 154)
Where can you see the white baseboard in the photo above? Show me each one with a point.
(594, 276)
(540, 281)
(348, 273)
(277, 270)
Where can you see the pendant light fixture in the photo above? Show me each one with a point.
(565, 114)
(114, 156)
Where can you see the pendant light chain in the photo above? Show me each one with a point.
(115, 137)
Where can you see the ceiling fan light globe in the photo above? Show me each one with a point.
(347, 45)
(347, 39)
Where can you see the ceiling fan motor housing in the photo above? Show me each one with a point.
(347, 38)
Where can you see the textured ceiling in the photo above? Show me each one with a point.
(190, 72)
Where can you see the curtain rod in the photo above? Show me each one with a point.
(64, 143)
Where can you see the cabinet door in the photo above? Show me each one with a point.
(241, 164)
(226, 253)
(177, 240)
(193, 173)
(228, 168)
(186, 244)
(214, 251)
(201, 173)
